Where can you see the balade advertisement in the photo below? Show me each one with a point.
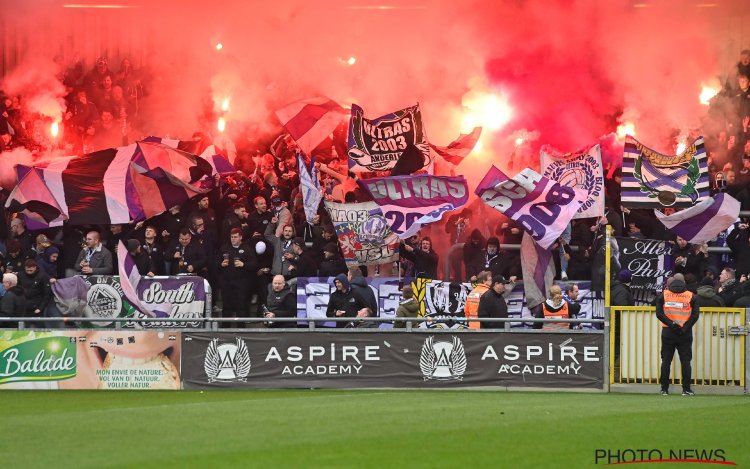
(351, 360)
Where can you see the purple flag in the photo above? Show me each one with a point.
(544, 207)
(704, 221)
(409, 202)
(129, 280)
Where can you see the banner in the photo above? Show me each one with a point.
(377, 144)
(101, 296)
(410, 202)
(582, 170)
(544, 207)
(363, 233)
(442, 302)
(703, 221)
(653, 180)
(650, 262)
(90, 360)
(425, 360)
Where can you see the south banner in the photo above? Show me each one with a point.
(363, 233)
(188, 299)
(90, 360)
(410, 202)
(542, 206)
(360, 360)
(653, 180)
(582, 170)
(650, 263)
(377, 144)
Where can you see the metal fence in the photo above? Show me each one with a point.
(718, 347)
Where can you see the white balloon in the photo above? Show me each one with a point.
(260, 248)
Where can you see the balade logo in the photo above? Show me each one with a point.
(46, 359)
(442, 360)
(227, 362)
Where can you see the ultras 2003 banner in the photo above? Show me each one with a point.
(353, 360)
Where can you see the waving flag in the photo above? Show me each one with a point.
(310, 121)
(460, 148)
(310, 187)
(582, 170)
(363, 233)
(377, 144)
(116, 185)
(652, 180)
(409, 202)
(129, 280)
(704, 221)
(538, 271)
(542, 206)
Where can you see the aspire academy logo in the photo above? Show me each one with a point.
(442, 360)
(228, 362)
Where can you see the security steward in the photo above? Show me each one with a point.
(677, 309)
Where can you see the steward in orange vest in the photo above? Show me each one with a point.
(471, 310)
(677, 309)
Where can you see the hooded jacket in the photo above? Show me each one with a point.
(359, 285)
(47, 266)
(348, 301)
(407, 309)
(707, 297)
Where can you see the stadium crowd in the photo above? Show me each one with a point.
(250, 240)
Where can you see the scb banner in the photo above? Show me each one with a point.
(354, 360)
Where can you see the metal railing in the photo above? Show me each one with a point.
(718, 347)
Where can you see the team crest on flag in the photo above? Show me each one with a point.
(582, 170)
(651, 179)
(409, 202)
(377, 144)
(542, 206)
(363, 233)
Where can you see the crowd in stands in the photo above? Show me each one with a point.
(250, 240)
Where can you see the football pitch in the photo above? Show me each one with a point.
(362, 428)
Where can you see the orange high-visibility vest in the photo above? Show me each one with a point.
(561, 313)
(471, 309)
(677, 306)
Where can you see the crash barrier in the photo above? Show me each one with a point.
(444, 302)
(281, 358)
(181, 301)
(718, 347)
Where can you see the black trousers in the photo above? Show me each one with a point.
(684, 346)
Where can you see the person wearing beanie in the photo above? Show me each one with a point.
(473, 255)
(492, 256)
(142, 260)
(620, 294)
(706, 294)
(677, 309)
(344, 302)
(332, 263)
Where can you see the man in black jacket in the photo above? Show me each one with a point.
(332, 264)
(303, 264)
(236, 268)
(281, 302)
(344, 302)
(36, 288)
(492, 304)
(677, 309)
(729, 289)
(359, 285)
(187, 255)
(620, 294)
(13, 303)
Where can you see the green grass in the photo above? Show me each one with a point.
(366, 428)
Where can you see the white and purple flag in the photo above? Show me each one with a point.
(542, 206)
(129, 280)
(410, 202)
(704, 221)
(538, 271)
(309, 183)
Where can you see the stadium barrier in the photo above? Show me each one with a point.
(719, 347)
(301, 358)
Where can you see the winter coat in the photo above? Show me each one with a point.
(407, 309)
(359, 285)
(708, 298)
